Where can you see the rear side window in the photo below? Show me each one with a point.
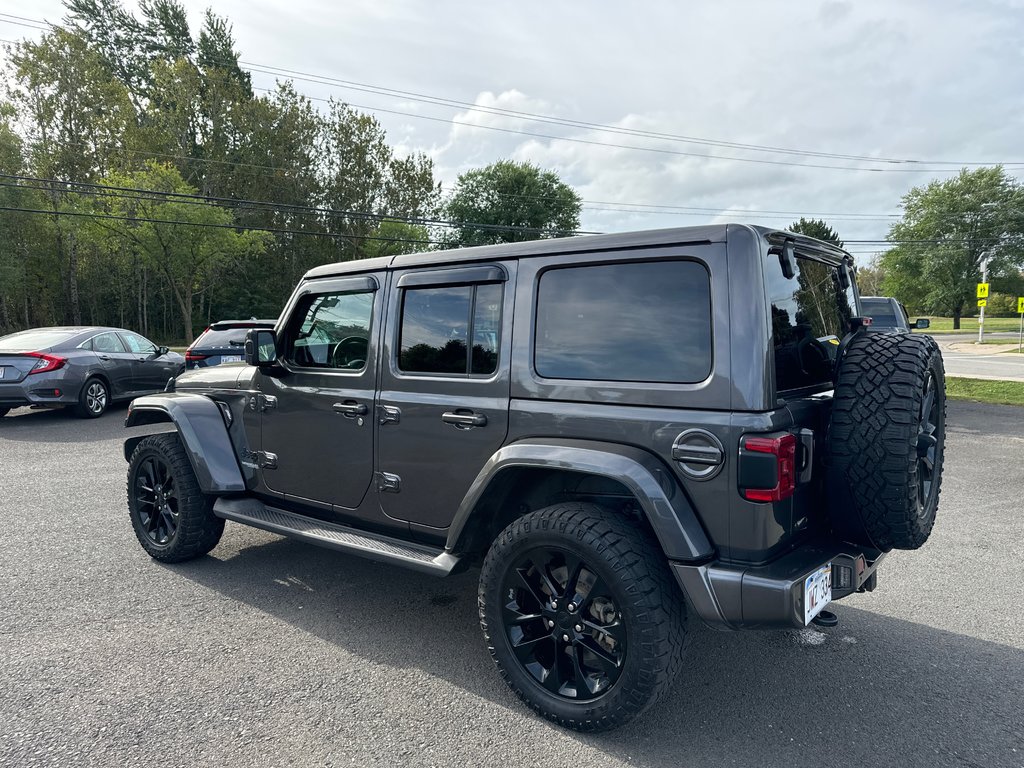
(450, 329)
(644, 321)
(105, 342)
(810, 313)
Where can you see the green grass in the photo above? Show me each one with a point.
(985, 391)
(970, 324)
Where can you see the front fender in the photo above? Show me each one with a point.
(660, 496)
(201, 427)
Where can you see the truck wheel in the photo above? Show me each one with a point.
(93, 399)
(172, 518)
(581, 615)
(886, 441)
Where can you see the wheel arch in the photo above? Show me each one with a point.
(530, 470)
(200, 426)
(97, 374)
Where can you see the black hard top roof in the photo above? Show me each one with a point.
(714, 233)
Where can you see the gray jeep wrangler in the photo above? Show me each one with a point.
(618, 430)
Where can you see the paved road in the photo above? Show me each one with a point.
(966, 362)
(273, 653)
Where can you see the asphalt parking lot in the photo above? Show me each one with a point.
(273, 653)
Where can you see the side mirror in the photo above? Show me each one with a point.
(260, 347)
(161, 351)
(922, 322)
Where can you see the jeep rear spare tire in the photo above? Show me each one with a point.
(886, 441)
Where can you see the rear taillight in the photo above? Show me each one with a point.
(768, 467)
(46, 363)
(192, 357)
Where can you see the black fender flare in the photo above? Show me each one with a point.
(203, 432)
(659, 494)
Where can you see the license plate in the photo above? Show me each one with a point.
(817, 592)
(231, 358)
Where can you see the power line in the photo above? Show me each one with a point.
(655, 150)
(105, 190)
(210, 225)
(379, 90)
(445, 101)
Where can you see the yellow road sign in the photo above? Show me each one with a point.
(1020, 304)
(982, 292)
(982, 302)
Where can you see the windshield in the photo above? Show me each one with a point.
(810, 313)
(881, 312)
(29, 341)
(228, 337)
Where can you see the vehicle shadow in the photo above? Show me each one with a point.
(873, 691)
(60, 425)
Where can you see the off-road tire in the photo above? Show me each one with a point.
(874, 458)
(650, 607)
(198, 530)
(89, 405)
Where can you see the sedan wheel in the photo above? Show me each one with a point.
(93, 400)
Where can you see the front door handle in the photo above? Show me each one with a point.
(104, 357)
(464, 420)
(350, 409)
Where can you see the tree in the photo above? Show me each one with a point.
(816, 228)
(77, 116)
(948, 228)
(508, 202)
(192, 249)
(870, 279)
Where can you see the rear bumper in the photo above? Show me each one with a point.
(731, 596)
(36, 390)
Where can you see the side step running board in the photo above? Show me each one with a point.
(374, 546)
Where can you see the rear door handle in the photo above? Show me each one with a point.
(464, 420)
(104, 357)
(350, 409)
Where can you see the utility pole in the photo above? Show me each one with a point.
(981, 314)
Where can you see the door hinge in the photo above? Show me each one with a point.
(388, 482)
(388, 414)
(267, 460)
(261, 402)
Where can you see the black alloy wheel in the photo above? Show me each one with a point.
(171, 516)
(157, 501)
(927, 446)
(562, 624)
(581, 614)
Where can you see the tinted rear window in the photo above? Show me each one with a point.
(33, 340)
(222, 338)
(642, 321)
(880, 312)
(810, 313)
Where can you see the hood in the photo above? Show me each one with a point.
(215, 377)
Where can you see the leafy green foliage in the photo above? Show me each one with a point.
(948, 228)
(510, 194)
(190, 251)
(816, 228)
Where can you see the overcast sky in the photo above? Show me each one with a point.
(936, 81)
